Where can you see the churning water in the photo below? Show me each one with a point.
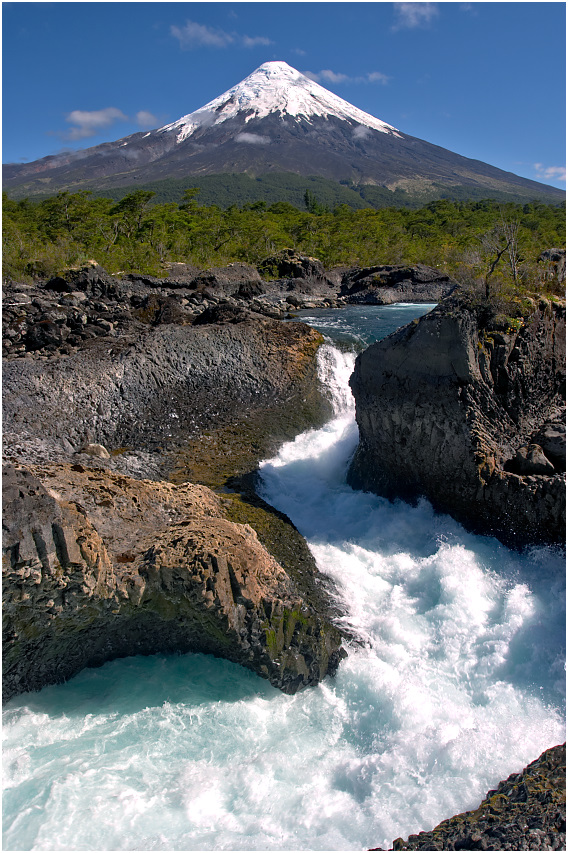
(458, 680)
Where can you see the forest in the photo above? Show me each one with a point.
(466, 239)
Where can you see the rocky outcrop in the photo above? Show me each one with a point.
(144, 388)
(383, 285)
(525, 812)
(452, 407)
(108, 379)
(99, 566)
(289, 264)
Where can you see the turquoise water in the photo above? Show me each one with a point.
(458, 681)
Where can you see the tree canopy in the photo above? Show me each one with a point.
(136, 235)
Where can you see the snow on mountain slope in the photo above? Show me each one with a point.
(275, 87)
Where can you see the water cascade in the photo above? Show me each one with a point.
(454, 680)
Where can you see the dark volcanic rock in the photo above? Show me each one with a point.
(383, 285)
(445, 406)
(221, 314)
(525, 812)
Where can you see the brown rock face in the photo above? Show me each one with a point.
(448, 405)
(99, 566)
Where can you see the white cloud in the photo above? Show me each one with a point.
(550, 173)
(193, 35)
(252, 42)
(412, 15)
(361, 132)
(252, 138)
(196, 35)
(333, 77)
(88, 122)
(146, 119)
(299, 51)
(378, 77)
(338, 77)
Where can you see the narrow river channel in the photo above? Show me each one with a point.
(458, 682)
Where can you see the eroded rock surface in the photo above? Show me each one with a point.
(453, 407)
(99, 566)
(143, 389)
(105, 379)
(525, 812)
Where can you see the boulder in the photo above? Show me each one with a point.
(228, 281)
(552, 438)
(385, 284)
(530, 459)
(444, 404)
(290, 264)
(97, 450)
(222, 314)
(99, 566)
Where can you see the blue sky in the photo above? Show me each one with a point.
(486, 80)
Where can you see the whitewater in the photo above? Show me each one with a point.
(454, 680)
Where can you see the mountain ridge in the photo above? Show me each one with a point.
(276, 120)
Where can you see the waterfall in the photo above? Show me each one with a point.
(455, 681)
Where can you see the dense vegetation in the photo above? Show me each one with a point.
(471, 239)
(240, 189)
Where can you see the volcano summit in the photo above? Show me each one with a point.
(276, 120)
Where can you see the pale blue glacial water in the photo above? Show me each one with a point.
(458, 682)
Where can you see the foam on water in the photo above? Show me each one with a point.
(456, 681)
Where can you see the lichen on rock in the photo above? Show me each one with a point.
(527, 811)
(99, 566)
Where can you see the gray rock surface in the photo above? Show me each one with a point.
(445, 407)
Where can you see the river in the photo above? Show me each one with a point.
(457, 681)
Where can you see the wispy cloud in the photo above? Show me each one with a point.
(146, 119)
(86, 123)
(550, 173)
(361, 132)
(337, 77)
(193, 35)
(252, 138)
(377, 77)
(254, 41)
(412, 15)
(299, 51)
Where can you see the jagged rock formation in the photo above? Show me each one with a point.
(106, 377)
(99, 566)
(525, 812)
(451, 407)
(136, 370)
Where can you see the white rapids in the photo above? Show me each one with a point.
(455, 681)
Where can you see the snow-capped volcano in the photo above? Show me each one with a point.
(275, 120)
(275, 88)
